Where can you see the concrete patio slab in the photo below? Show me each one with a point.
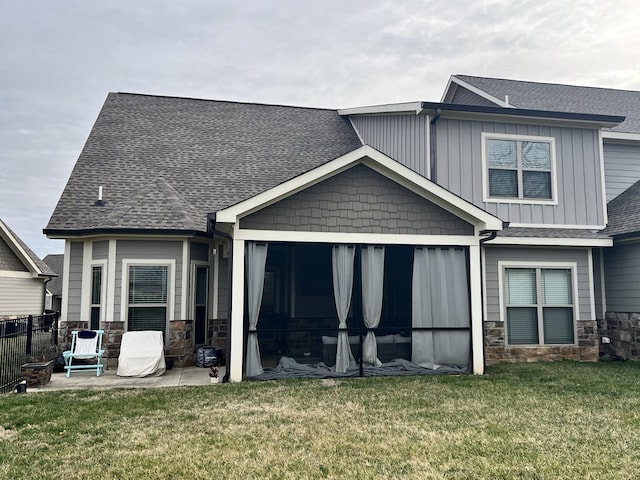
(176, 377)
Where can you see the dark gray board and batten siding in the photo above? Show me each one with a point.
(622, 278)
(578, 173)
(621, 167)
(536, 257)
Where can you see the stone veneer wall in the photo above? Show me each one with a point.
(218, 333)
(496, 351)
(623, 329)
(180, 343)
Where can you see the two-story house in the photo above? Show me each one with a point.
(398, 239)
(617, 269)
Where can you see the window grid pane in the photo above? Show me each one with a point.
(148, 284)
(521, 285)
(536, 155)
(536, 184)
(502, 153)
(523, 325)
(96, 285)
(556, 287)
(558, 325)
(503, 183)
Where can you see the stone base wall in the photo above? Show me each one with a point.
(496, 351)
(180, 343)
(218, 333)
(623, 330)
(37, 374)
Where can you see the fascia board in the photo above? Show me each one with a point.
(406, 107)
(608, 135)
(553, 242)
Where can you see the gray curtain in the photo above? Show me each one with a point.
(440, 298)
(342, 263)
(256, 259)
(372, 283)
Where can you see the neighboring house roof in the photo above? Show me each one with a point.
(164, 162)
(29, 259)
(624, 213)
(56, 263)
(555, 97)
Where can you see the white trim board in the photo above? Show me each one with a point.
(557, 242)
(368, 238)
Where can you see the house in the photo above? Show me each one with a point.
(616, 270)
(23, 277)
(54, 287)
(418, 237)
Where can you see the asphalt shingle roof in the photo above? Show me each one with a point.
(565, 98)
(166, 162)
(521, 232)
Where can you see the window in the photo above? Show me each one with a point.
(539, 306)
(519, 168)
(96, 296)
(148, 297)
(200, 295)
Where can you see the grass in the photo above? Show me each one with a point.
(530, 421)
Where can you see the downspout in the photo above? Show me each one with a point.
(432, 146)
(44, 293)
(492, 234)
(212, 232)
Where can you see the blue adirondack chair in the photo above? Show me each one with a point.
(85, 345)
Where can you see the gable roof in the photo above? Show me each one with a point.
(55, 261)
(380, 163)
(166, 162)
(29, 259)
(554, 97)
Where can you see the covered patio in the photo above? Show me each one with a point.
(359, 267)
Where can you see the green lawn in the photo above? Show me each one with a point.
(558, 420)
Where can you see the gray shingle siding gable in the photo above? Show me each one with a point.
(165, 162)
(358, 200)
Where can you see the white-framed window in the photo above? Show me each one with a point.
(98, 291)
(518, 168)
(147, 294)
(539, 303)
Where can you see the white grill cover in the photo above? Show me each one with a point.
(141, 354)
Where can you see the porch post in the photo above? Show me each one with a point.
(237, 313)
(477, 336)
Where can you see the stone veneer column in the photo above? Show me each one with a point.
(623, 329)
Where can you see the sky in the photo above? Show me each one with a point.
(59, 59)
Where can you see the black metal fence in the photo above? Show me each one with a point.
(32, 338)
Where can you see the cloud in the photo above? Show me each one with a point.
(58, 60)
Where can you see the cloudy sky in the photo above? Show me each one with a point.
(59, 59)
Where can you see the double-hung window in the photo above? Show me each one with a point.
(519, 168)
(148, 297)
(539, 304)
